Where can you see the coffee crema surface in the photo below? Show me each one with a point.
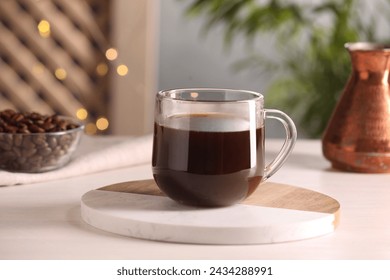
(208, 159)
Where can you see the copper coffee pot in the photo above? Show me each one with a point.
(358, 134)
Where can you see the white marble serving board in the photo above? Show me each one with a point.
(124, 209)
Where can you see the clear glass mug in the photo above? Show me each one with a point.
(208, 145)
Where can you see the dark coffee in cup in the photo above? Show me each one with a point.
(208, 159)
(208, 147)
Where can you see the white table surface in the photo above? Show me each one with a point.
(42, 220)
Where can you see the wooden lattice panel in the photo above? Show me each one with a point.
(76, 45)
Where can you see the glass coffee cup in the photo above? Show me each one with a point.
(209, 145)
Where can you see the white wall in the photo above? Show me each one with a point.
(189, 59)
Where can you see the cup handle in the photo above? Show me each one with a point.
(288, 145)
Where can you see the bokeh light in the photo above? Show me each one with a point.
(60, 74)
(122, 70)
(194, 95)
(111, 54)
(90, 129)
(102, 69)
(82, 114)
(102, 123)
(38, 69)
(44, 28)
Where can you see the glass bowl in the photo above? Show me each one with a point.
(41, 151)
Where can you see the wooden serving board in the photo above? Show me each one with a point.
(273, 213)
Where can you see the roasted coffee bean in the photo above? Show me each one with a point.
(28, 144)
(17, 117)
(17, 151)
(47, 125)
(16, 122)
(18, 140)
(5, 146)
(39, 140)
(52, 141)
(44, 151)
(28, 152)
(35, 128)
(7, 138)
(10, 129)
(23, 128)
(62, 125)
(21, 160)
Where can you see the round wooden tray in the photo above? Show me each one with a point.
(273, 213)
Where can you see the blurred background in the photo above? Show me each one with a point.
(103, 61)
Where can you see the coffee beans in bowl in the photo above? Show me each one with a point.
(31, 142)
